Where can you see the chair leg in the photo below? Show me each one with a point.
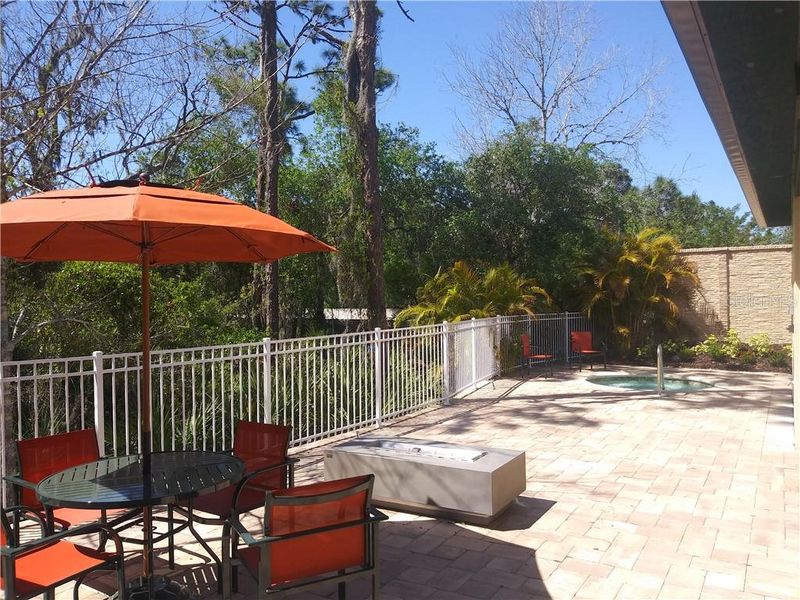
(342, 595)
(122, 593)
(227, 578)
(171, 536)
(376, 562)
(75, 594)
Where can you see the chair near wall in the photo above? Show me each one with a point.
(43, 456)
(316, 534)
(532, 355)
(581, 346)
(264, 450)
(38, 567)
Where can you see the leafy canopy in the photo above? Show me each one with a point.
(637, 284)
(462, 292)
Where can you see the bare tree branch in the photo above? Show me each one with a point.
(541, 71)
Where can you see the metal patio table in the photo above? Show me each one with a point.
(118, 482)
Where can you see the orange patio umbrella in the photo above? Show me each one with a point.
(135, 221)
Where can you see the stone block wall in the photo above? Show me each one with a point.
(748, 289)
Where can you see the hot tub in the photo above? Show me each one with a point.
(462, 483)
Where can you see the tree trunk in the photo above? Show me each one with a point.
(360, 78)
(269, 154)
(9, 449)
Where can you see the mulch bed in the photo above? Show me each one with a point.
(733, 364)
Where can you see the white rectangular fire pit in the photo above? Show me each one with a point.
(463, 483)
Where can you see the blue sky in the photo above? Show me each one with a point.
(419, 54)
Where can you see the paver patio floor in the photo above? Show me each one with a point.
(629, 496)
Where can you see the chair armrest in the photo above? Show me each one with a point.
(36, 515)
(32, 514)
(289, 464)
(18, 481)
(81, 530)
(376, 515)
(248, 538)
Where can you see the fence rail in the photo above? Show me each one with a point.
(321, 386)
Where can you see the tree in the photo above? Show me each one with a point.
(538, 207)
(422, 194)
(542, 69)
(359, 65)
(696, 223)
(89, 85)
(637, 284)
(461, 293)
(273, 109)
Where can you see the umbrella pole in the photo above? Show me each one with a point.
(147, 422)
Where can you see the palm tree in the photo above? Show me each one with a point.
(461, 293)
(639, 282)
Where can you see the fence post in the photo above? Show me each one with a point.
(99, 402)
(378, 377)
(474, 354)
(498, 338)
(446, 362)
(267, 380)
(566, 339)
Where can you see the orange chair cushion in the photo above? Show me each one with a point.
(261, 445)
(581, 341)
(44, 567)
(219, 503)
(41, 457)
(317, 553)
(526, 344)
(312, 555)
(69, 517)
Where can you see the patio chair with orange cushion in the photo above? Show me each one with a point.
(316, 534)
(264, 450)
(532, 355)
(43, 456)
(38, 567)
(581, 346)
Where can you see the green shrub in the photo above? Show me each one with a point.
(760, 345)
(748, 356)
(646, 352)
(720, 348)
(780, 357)
(678, 349)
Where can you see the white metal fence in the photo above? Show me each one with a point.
(321, 386)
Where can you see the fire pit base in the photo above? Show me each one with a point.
(462, 483)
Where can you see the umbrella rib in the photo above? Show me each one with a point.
(165, 238)
(113, 234)
(44, 240)
(250, 246)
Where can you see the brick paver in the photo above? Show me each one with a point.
(629, 496)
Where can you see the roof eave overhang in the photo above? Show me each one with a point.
(687, 23)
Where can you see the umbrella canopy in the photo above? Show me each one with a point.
(115, 223)
(150, 224)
